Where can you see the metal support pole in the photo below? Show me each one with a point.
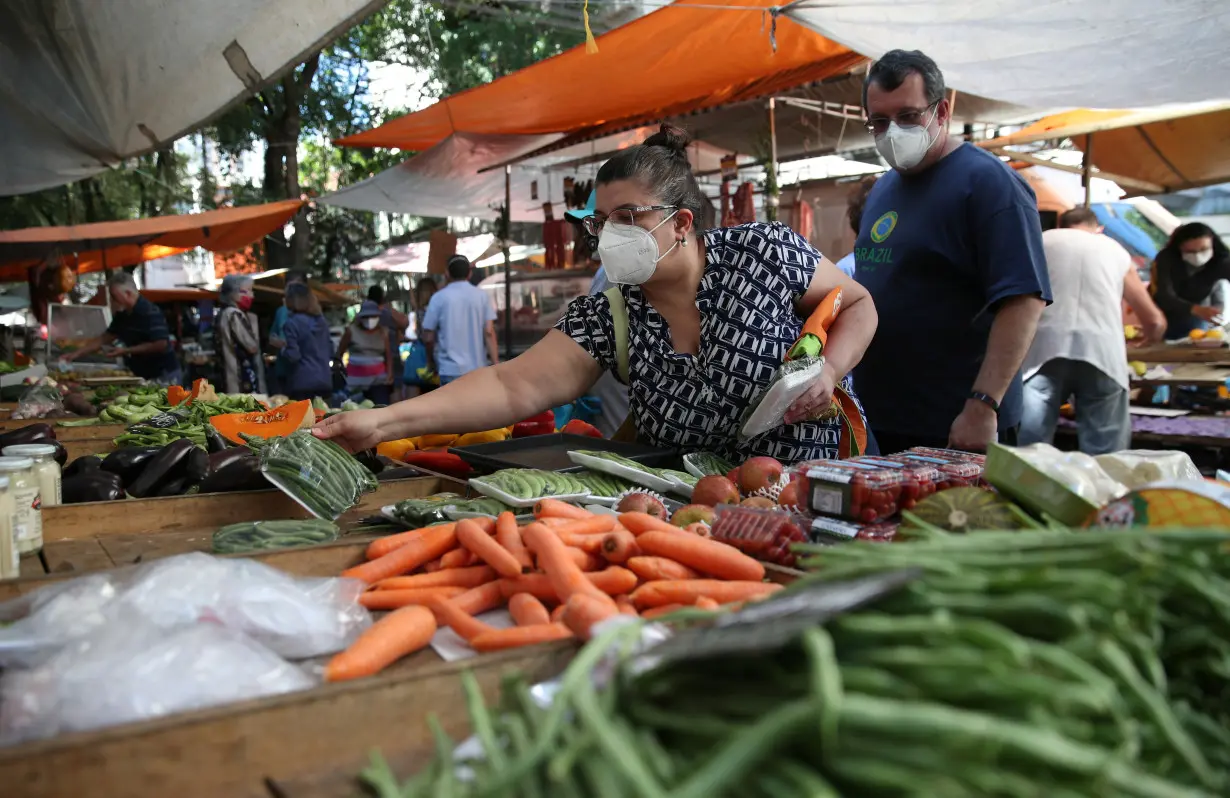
(771, 187)
(1087, 175)
(506, 215)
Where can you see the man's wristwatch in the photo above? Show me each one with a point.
(986, 399)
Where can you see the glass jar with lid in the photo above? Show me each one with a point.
(45, 468)
(10, 565)
(27, 507)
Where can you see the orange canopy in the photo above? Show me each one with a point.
(684, 57)
(126, 243)
(1162, 149)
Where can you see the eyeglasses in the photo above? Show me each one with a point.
(593, 224)
(879, 124)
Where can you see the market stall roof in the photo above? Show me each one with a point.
(1168, 148)
(412, 258)
(214, 230)
(86, 84)
(691, 54)
(1062, 53)
(162, 296)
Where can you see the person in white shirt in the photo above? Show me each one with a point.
(1079, 351)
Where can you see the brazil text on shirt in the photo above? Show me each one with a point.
(458, 313)
(937, 251)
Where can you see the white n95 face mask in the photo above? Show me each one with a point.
(629, 254)
(905, 147)
(1199, 257)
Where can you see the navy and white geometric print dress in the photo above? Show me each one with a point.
(753, 275)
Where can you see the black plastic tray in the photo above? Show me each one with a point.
(550, 452)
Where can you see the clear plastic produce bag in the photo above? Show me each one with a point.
(296, 617)
(132, 670)
(39, 401)
(319, 475)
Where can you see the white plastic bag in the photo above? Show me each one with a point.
(1136, 468)
(296, 617)
(133, 670)
(1079, 472)
(791, 381)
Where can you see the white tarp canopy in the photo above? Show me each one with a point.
(412, 258)
(446, 180)
(1061, 53)
(85, 84)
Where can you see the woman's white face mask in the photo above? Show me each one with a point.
(370, 323)
(1199, 257)
(629, 254)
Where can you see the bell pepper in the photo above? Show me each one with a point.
(395, 450)
(541, 424)
(433, 441)
(474, 438)
(441, 462)
(578, 427)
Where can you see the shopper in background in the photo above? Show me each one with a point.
(277, 339)
(369, 368)
(459, 325)
(236, 336)
(1079, 351)
(418, 371)
(395, 322)
(1189, 280)
(950, 248)
(307, 351)
(855, 203)
(141, 331)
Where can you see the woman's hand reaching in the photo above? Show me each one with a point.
(354, 430)
(817, 399)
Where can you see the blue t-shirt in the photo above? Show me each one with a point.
(846, 265)
(938, 251)
(458, 313)
(142, 325)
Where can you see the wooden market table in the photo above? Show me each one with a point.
(1180, 353)
(1201, 375)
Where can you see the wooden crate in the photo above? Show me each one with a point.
(83, 446)
(66, 433)
(96, 535)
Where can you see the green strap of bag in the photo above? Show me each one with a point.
(619, 321)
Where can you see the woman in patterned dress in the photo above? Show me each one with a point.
(710, 316)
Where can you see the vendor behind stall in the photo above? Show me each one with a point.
(141, 331)
(1190, 279)
(710, 315)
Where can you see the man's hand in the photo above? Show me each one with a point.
(1205, 312)
(977, 426)
(353, 431)
(818, 398)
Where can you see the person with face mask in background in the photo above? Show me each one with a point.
(950, 249)
(369, 369)
(140, 327)
(237, 338)
(1189, 279)
(709, 316)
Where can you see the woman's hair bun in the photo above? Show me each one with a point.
(671, 138)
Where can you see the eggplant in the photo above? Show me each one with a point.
(175, 487)
(128, 463)
(197, 467)
(83, 465)
(220, 460)
(167, 465)
(92, 486)
(242, 474)
(61, 454)
(214, 442)
(30, 433)
(370, 461)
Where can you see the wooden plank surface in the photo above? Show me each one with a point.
(67, 433)
(79, 448)
(320, 737)
(1180, 353)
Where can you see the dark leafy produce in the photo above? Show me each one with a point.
(242, 473)
(92, 486)
(1031, 663)
(167, 465)
(83, 465)
(128, 463)
(263, 535)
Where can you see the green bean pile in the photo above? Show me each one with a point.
(322, 476)
(192, 425)
(1024, 664)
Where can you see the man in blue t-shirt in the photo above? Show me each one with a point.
(459, 325)
(950, 247)
(141, 331)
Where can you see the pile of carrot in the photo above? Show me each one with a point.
(558, 575)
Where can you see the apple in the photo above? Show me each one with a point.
(641, 503)
(793, 495)
(692, 513)
(714, 490)
(763, 502)
(759, 473)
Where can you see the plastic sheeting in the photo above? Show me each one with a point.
(1061, 53)
(87, 83)
(686, 56)
(1171, 148)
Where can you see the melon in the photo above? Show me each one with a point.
(966, 510)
